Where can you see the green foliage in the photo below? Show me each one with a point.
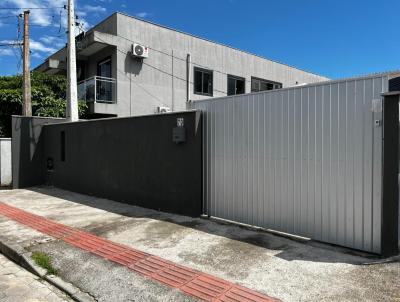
(48, 98)
(44, 261)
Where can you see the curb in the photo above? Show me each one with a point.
(21, 257)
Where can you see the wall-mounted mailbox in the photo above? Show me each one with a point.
(179, 135)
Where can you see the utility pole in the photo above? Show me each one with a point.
(72, 90)
(26, 89)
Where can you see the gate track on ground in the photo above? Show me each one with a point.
(189, 281)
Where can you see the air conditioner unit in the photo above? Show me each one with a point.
(139, 51)
(162, 109)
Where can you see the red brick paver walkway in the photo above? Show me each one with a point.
(189, 281)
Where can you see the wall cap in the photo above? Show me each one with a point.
(390, 93)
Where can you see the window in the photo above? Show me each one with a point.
(203, 81)
(62, 140)
(104, 86)
(262, 85)
(104, 68)
(236, 85)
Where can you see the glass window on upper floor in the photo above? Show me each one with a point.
(236, 85)
(258, 84)
(104, 68)
(203, 81)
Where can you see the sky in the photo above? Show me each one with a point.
(334, 38)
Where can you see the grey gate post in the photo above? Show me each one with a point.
(390, 190)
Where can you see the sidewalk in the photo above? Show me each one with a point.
(273, 265)
(17, 284)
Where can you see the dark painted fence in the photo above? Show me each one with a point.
(27, 150)
(134, 160)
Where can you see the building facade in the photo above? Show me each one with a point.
(179, 68)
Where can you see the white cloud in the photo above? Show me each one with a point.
(39, 46)
(50, 17)
(94, 9)
(54, 41)
(35, 47)
(6, 52)
(142, 14)
(48, 39)
(38, 16)
(36, 55)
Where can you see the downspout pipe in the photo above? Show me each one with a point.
(188, 63)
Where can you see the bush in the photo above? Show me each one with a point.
(48, 98)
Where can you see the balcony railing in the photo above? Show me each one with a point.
(97, 89)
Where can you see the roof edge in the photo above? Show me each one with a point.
(218, 43)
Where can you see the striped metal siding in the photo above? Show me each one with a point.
(303, 160)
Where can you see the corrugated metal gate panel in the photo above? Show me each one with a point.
(303, 160)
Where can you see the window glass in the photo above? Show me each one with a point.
(104, 68)
(206, 83)
(203, 81)
(239, 86)
(231, 86)
(255, 85)
(235, 85)
(262, 85)
(198, 82)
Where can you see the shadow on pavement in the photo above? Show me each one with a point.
(287, 248)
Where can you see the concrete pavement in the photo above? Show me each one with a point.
(277, 266)
(17, 284)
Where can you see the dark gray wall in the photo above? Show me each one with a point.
(132, 160)
(27, 150)
(390, 189)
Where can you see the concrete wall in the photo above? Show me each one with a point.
(143, 86)
(132, 160)
(149, 84)
(27, 150)
(5, 162)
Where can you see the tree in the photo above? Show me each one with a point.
(48, 98)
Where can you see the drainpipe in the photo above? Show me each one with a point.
(173, 92)
(188, 63)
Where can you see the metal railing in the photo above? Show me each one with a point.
(97, 89)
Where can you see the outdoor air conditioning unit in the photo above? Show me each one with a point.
(139, 51)
(162, 109)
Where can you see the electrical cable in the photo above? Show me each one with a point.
(31, 8)
(166, 72)
(10, 44)
(19, 40)
(182, 59)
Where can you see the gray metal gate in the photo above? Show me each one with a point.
(305, 160)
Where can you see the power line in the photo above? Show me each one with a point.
(19, 39)
(181, 59)
(31, 8)
(10, 44)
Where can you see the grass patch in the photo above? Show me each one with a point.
(44, 261)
